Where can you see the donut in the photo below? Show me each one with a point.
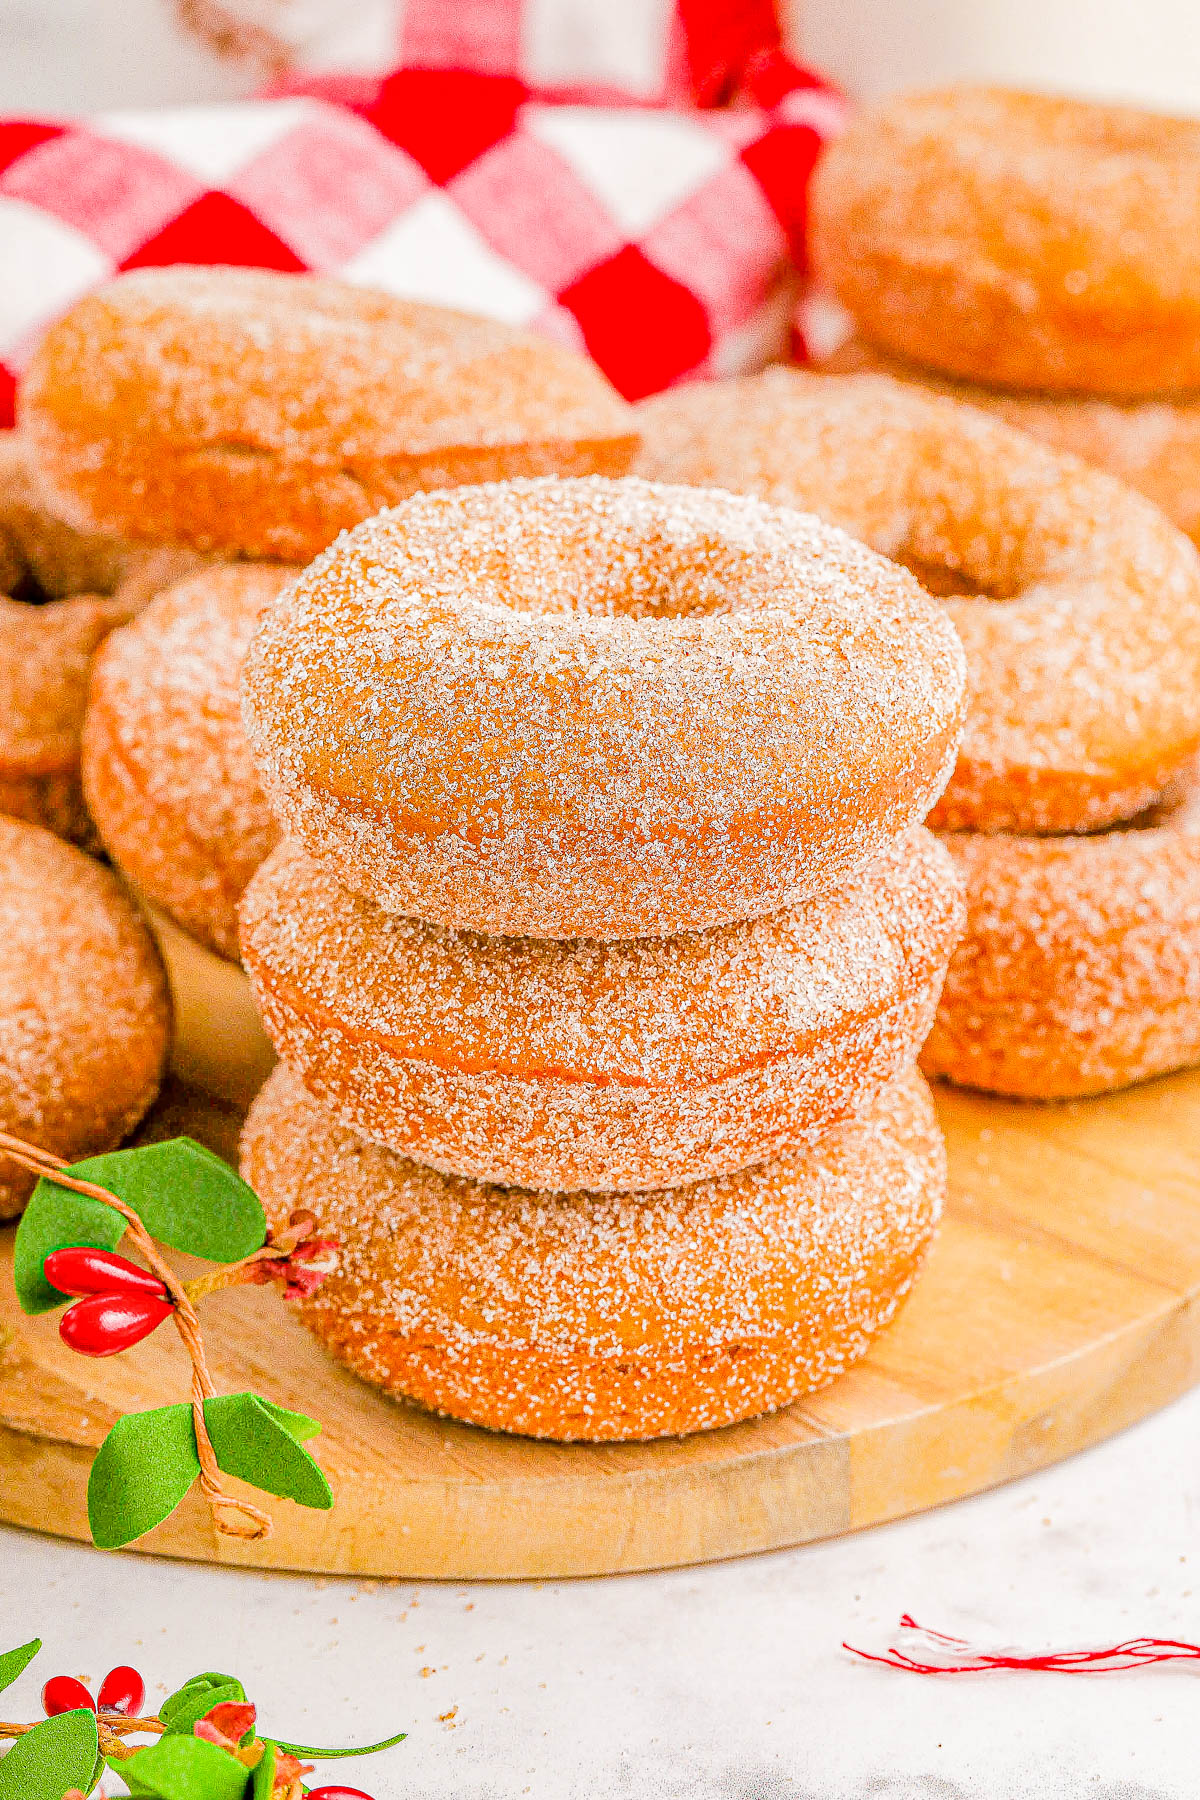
(1017, 239)
(606, 1316)
(1080, 968)
(42, 558)
(599, 708)
(84, 1016)
(605, 1066)
(1154, 444)
(258, 414)
(61, 593)
(167, 771)
(1077, 602)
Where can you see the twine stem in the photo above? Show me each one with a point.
(232, 1517)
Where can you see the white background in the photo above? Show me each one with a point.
(64, 54)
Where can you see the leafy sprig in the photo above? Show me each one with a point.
(181, 1195)
(207, 1747)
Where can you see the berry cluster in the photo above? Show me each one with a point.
(122, 1692)
(116, 1302)
(204, 1738)
(180, 1195)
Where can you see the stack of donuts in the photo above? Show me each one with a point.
(1072, 814)
(249, 417)
(600, 948)
(244, 419)
(1033, 255)
(597, 931)
(218, 425)
(85, 1016)
(61, 592)
(1039, 257)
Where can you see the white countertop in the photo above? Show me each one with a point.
(717, 1683)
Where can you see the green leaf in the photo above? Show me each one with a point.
(185, 1195)
(54, 1219)
(262, 1779)
(142, 1470)
(200, 1702)
(15, 1662)
(98, 1769)
(58, 1754)
(184, 1768)
(194, 1688)
(298, 1426)
(252, 1443)
(336, 1755)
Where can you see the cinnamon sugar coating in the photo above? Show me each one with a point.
(599, 709)
(1077, 602)
(1152, 444)
(166, 768)
(606, 1316)
(259, 414)
(61, 593)
(603, 1066)
(1080, 968)
(84, 1014)
(1019, 239)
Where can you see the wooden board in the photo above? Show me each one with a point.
(1061, 1302)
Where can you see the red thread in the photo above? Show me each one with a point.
(960, 1659)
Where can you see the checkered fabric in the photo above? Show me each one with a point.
(658, 241)
(604, 52)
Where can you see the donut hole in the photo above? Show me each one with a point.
(1177, 808)
(945, 581)
(651, 577)
(29, 591)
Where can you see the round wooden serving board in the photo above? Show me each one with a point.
(1061, 1302)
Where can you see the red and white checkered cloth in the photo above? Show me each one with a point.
(603, 52)
(659, 241)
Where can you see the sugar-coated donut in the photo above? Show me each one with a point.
(1080, 968)
(61, 593)
(599, 708)
(583, 1065)
(259, 414)
(606, 1316)
(84, 1016)
(168, 774)
(1078, 603)
(1020, 239)
(1153, 444)
(42, 558)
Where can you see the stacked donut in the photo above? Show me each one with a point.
(174, 421)
(600, 947)
(247, 418)
(1033, 255)
(1038, 257)
(1071, 813)
(61, 592)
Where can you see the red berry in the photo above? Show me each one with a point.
(83, 1270)
(123, 1691)
(106, 1323)
(62, 1693)
(337, 1793)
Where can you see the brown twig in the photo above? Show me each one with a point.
(277, 1249)
(235, 38)
(231, 1517)
(117, 1725)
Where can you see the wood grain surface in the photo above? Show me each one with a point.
(1061, 1302)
